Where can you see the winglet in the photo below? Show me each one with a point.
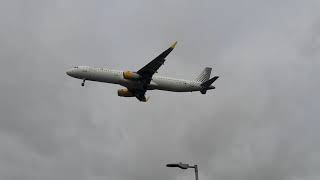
(173, 45)
(145, 99)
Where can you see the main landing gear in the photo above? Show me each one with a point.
(82, 84)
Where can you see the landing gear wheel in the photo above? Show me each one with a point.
(82, 84)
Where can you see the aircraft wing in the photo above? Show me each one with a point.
(140, 94)
(152, 67)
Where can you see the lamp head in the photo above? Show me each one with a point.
(179, 165)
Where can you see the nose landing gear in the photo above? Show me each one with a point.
(82, 84)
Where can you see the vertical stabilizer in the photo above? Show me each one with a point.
(205, 75)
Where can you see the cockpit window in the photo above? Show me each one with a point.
(76, 67)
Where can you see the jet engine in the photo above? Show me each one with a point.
(131, 75)
(125, 93)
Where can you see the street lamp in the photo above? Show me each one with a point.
(185, 166)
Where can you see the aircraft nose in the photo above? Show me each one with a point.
(69, 72)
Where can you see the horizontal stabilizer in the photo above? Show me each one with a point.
(209, 82)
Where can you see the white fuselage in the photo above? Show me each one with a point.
(116, 77)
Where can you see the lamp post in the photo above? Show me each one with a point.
(185, 166)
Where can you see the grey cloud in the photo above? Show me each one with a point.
(260, 123)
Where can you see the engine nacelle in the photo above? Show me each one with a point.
(125, 93)
(131, 75)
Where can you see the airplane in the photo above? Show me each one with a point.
(136, 83)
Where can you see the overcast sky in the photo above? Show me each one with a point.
(261, 122)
